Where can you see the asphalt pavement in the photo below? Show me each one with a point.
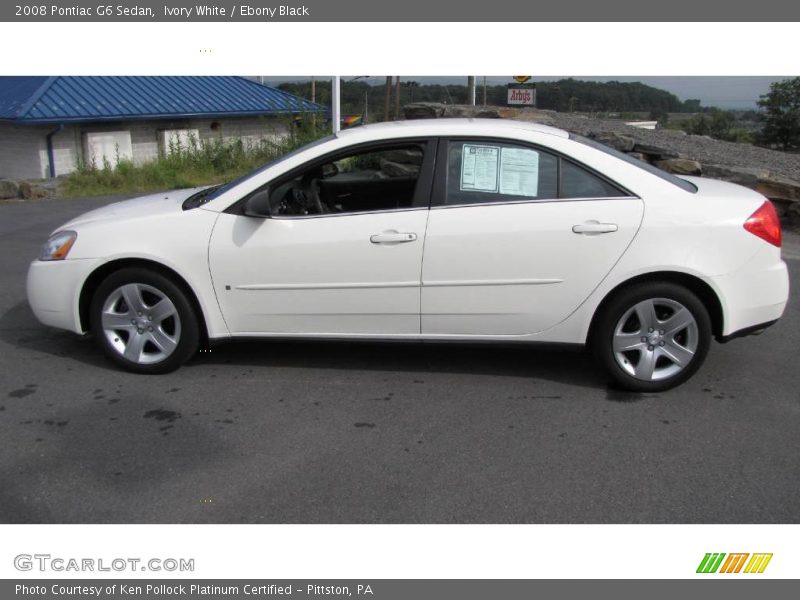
(310, 432)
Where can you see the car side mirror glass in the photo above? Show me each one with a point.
(257, 205)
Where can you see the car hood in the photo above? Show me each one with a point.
(143, 206)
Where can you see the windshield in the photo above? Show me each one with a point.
(681, 183)
(210, 194)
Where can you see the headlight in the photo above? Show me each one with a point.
(58, 246)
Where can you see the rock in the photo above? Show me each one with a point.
(28, 191)
(782, 208)
(435, 110)
(792, 217)
(8, 189)
(533, 115)
(424, 110)
(618, 141)
(742, 175)
(394, 169)
(655, 151)
(775, 186)
(486, 112)
(638, 156)
(457, 112)
(763, 181)
(680, 166)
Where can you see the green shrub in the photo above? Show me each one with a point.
(193, 164)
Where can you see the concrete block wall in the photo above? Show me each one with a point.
(23, 148)
(20, 152)
(66, 150)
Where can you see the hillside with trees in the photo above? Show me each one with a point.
(565, 95)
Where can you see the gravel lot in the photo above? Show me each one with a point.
(322, 432)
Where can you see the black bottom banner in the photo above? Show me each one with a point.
(401, 589)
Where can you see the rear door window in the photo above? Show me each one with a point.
(487, 171)
(482, 172)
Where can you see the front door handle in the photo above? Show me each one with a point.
(392, 237)
(594, 228)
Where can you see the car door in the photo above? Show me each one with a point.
(517, 238)
(346, 261)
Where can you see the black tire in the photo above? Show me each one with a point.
(185, 330)
(622, 305)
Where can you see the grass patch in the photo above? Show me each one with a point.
(191, 164)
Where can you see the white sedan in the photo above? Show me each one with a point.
(451, 229)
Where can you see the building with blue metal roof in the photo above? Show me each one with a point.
(50, 125)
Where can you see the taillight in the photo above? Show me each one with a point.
(765, 224)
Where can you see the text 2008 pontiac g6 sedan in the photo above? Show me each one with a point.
(428, 230)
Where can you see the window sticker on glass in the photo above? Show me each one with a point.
(479, 168)
(519, 172)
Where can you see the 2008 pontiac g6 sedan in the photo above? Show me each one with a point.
(428, 230)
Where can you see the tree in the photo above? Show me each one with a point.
(691, 105)
(661, 116)
(715, 123)
(782, 114)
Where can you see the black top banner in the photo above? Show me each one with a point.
(405, 11)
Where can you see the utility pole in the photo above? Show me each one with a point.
(484, 90)
(335, 104)
(471, 90)
(387, 98)
(397, 98)
(313, 99)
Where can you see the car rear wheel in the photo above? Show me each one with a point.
(143, 321)
(652, 336)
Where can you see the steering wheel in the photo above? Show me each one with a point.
(307, 194)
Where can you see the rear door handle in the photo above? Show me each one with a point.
(594, 228)
(392, 237)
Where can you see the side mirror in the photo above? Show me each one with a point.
(257, 205)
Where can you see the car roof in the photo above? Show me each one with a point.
(447, 127)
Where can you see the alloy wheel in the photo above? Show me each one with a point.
(655, 339)
(141, 323)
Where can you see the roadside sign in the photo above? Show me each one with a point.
(521, 95)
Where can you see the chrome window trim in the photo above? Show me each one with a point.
(345, 214)
(533, 201)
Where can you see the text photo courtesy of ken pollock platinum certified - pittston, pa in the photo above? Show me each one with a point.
(191, 590)
(207, 279)
(185, 12)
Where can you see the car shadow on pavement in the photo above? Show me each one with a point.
(20, 329)
(566, 364)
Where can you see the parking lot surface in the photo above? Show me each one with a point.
(291, 432)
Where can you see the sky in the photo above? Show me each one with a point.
(725, 92)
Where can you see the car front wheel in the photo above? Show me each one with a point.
(143, 321)
(652, 336)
